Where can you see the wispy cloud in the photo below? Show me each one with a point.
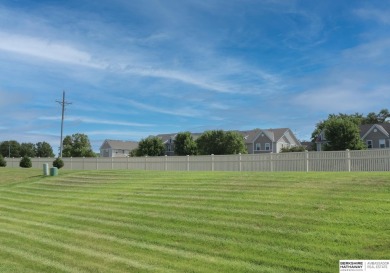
(45, 49)
(98, 121)
(184, 111)
(378, 15)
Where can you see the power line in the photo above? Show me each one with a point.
(63, 103)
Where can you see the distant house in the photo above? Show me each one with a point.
(270, 140)
(117, 148)
(256, 141)
(169, 141)
(375, 136)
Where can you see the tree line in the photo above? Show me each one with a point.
(12, 148)
(76, 145)
(217, 142)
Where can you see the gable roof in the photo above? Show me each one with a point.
(119, 145)
(166, 137)
(273, 134)
(368, 128)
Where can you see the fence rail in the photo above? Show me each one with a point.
(347, 161)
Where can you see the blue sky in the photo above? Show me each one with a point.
(137, 68)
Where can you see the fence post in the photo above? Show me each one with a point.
(71, 163)
(348, 156)
(97, 163)
(271, 162)
(146, 157)
(166, 163)
(239, 157)
(127, 162)
(212, 162)
(307, 161)
(83, 162)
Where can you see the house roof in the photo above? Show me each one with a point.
(166, 137)
(119, 145)
(367, 128)
(273, 134)
(250, 135)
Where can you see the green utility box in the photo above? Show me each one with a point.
(53, 171)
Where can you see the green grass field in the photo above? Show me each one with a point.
(135, 221)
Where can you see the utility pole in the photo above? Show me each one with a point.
(63, 104)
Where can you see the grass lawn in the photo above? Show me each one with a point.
(135, 221)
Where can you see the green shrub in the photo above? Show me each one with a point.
(25, 162)
(293, 149)
(58, 162)
(3, 163)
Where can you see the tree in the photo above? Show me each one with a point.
(342, 133)
(28, 149)
(219, 142)
(44, 149)
(151, 146)
(185, 144)
(373, 118)
(25, 162)
(58, 162)
(10, 148)
(77, 145)
(3, 163)
(234, 143)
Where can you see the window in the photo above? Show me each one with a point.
(267, 147)
(369, 144)
(382, 143)
(258, 147)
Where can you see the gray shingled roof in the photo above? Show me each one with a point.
(122, 145)
(366, 127)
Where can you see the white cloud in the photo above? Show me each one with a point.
(46, 49)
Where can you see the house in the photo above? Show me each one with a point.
(169, 144)
(256, 141)
(375, 136)
(168, 141)
(117, 148)
(269, 140)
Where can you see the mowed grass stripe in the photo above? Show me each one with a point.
(296, 249)
(138, 208)
(188, 256)
(285, 240)
(55, 247)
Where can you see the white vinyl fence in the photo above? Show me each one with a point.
(340, 161)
